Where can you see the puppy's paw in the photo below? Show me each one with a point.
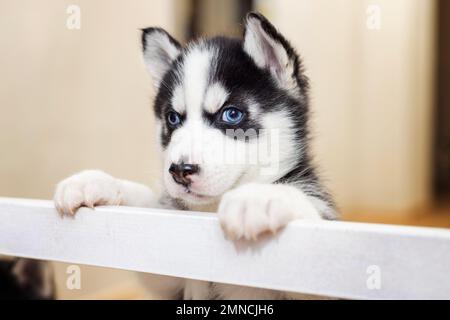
(254, 209)
(87, 188)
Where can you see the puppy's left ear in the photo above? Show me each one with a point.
(160, 50)
(270, 50)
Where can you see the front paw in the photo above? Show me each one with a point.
(87, 188)
(254, 209)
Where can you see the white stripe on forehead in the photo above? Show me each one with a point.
(177, 101)
(216, 95)
(195, 76)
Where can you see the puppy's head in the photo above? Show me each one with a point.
(228, 111)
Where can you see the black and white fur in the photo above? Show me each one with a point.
(262, 76)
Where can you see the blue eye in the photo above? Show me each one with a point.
(232, 115)
(173, 119)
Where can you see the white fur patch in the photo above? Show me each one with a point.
(196, 69)
(196, 142)
(159, 52)
(216, 96)
(287, 150)
(277, 149)
(196, 290)
(178, 100)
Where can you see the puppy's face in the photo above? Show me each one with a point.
(228, 111)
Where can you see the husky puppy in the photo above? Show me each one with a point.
(217, 99)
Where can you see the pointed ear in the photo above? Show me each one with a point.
(270, 50)
(159, 50)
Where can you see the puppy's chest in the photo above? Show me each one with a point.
(208, 208)
(167, 202)
(203, 290)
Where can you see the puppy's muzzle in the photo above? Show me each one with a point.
(182, 173)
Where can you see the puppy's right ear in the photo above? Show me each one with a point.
(159, 50)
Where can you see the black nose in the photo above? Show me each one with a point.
(181, 172)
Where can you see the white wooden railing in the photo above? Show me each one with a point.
(335, 259)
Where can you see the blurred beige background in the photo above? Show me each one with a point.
(372, 94)
(77, 99)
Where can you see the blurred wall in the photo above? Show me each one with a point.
(219, 17)
(372, 95)
(75, 99)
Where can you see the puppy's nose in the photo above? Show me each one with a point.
(182, 173)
